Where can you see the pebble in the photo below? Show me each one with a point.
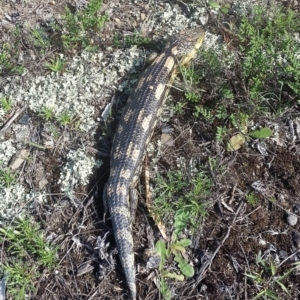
(292, 219)
(18, 159)
(24, 120)
(296, 239)
(297, 208)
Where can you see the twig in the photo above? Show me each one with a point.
(287, 259)
(232, 194)
(11, 120)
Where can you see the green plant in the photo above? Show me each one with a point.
(239, 121)
(267, 279)
(30, 253)
(192, 97)
(9, 54)
(40, 38)
(178, 107)
(268, 48)
(251, 198)
(20, 277)
(82, 26)
(223, 8)
(262, 82)
(261, 133)
(7, 65)
(205, 112)
(64, 119)
(191, 75)
(139, 40)
(47, 113)
(166, 188)
(117, 40)
(164, 290)
(56, 65)
(226, 92)
(177, 249)
(7, 178)
(221, 113)
(221, 132)
(182, 199)
(5, 103)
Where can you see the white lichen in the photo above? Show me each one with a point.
(76, 171)
(14, 200)
(88, 79)
(7, 150)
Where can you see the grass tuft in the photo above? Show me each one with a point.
(30, 254)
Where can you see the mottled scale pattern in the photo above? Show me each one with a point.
(133, 132)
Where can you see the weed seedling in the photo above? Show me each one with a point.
(5, 103)
(176, 249)
(267, 279)
(82, 26)
(251, 198)
(40, 38)
(64, 119)
(47, 113)
(7, 178)
(56, 65)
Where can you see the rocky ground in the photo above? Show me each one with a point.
(250, 224)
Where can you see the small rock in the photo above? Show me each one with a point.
(296, 239)
(167, 140)
(42, 183)
(152, 257)
(84, 268)
(297, 208)
(24, 120)
(292, 219)
(203, 19)
(283, 254)
(18, 159)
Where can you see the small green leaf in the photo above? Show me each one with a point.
(178, 277)
(284, 275)
(250, 276)
(184, 266)
(273, 268)
(188, 270)
(160, 247)
(177, 257)
(261, 133)
(263, 293)
(282, 286)
(224, 10)
(184, 242)
(165, 291)
(214, 4)
(176, 247)
(181, 220)
(271, 295)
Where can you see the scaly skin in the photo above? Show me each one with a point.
(134, 131)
